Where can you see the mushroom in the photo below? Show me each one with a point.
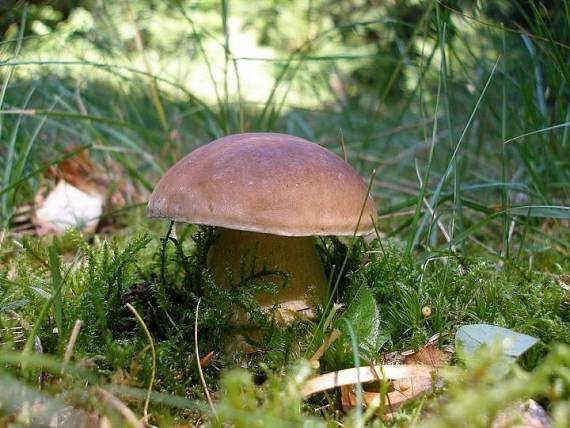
(269, 195)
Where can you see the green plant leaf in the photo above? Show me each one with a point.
(475, 336)
(364, 316)
(13, 305)
(543, 211)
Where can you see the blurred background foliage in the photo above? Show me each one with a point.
(146, 81)
(285, 25)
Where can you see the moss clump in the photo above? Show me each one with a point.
(380, 292)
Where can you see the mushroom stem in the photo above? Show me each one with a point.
(247, 253)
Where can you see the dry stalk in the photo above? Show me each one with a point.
(69, 348)
(314, 360)
(153, 372)
(119, 406)
(197, 352)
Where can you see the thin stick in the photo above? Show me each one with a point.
(119, 406)
(153, 372)
(343, 146)
(71, 342)
(197, 351)
(326, 344)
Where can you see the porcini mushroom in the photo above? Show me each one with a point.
(268, 195)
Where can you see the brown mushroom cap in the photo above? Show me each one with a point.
(265, 182)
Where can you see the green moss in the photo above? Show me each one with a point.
(474, 291)
(163, 279)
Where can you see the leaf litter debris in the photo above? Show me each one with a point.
(75, 194)
(414, 375)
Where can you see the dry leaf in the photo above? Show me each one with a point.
(348, 397)
(67, 207)
(365, 374)
(74, 195)
(79, 171)
(429, 355)
(403, 390)
(87, 176)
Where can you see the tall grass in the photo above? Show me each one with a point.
(535, 154)
(471, 158)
